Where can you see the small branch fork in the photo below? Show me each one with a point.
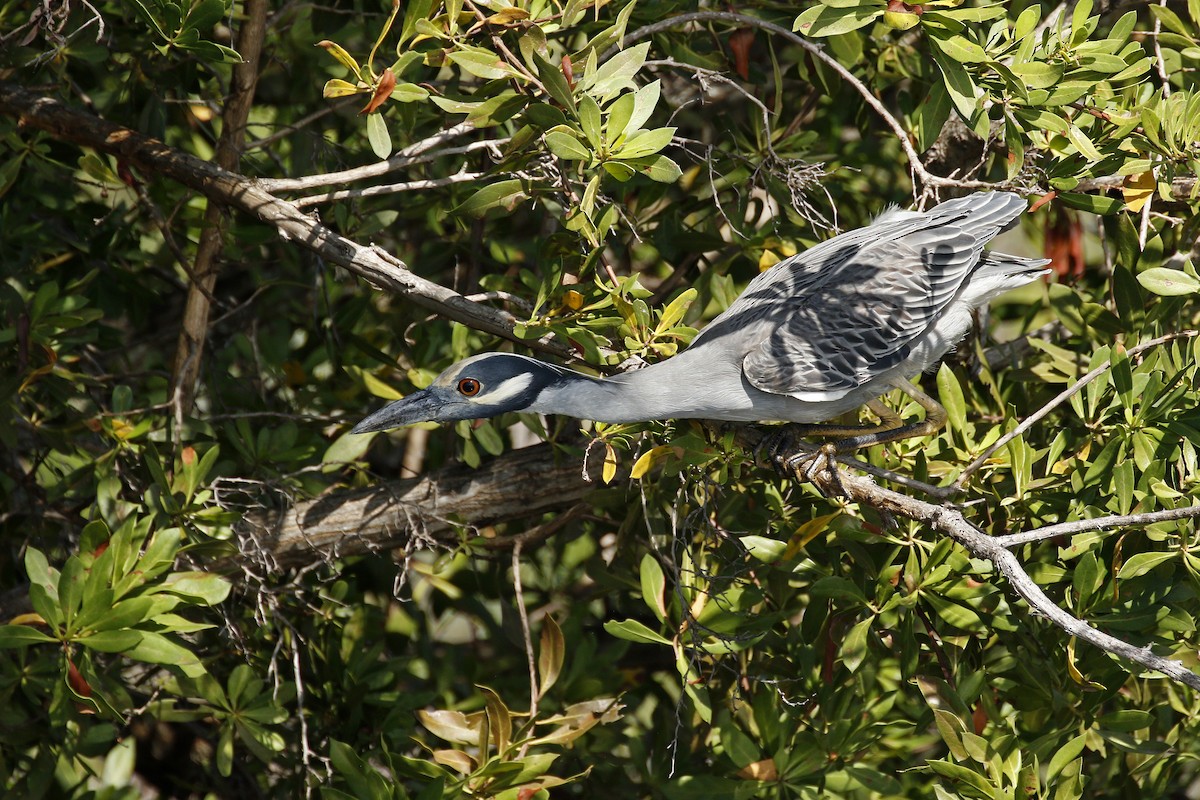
(831, 480)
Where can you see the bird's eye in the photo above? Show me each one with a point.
(468, 387)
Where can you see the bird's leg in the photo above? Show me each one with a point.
(935, 419)
(807, 465)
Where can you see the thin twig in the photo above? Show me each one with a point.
(1082, 525)
(398, 161)
(524, 617)
(390, 188)
(1058, 400)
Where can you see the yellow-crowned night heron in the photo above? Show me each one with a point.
(817, 335)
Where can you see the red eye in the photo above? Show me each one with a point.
(468, 387)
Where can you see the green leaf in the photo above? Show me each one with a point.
(634, 631)
(336, 87)
(658, 168)
(958, 83)
(617, 73)
(453, 726)
(203, 588)
(1167, 282)
(951, 728)
(764, 549)
(1083, 144)
(1065, 755)
(117, 641)
(653, 583)
(589, 120)
(672, 315)
(566, 146)
(502, 194)
(645, 143)
(1142, 563)
(958, 615)
(972, 779)
(346, 449)
(555, 82)
(951, 395)
(931, 114)
(1037, 74)
(22, 636)
(631, 111)
(960, 49)
(482, 64)
(551, 654)
(854, 646)
(823, 20)
(1171, 20)
(154, 648)
(378, 136)
(1094, 203)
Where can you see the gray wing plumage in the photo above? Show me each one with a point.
(826, 321)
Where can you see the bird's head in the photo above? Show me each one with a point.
(476, 388)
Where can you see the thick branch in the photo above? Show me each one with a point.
(152, 157)
(432, 508)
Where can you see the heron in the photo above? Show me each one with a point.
(820, 334)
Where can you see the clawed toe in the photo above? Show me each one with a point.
(795, 458)
(818, 467)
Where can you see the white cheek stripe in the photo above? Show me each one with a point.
(505, 391)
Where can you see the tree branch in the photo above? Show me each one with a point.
(152, 157)
(1098, 523)
(193, 328)
(979, 544)
(433, 508)
(402, 159)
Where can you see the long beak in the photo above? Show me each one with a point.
(417, 407)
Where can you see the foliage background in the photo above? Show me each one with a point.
(703, 629)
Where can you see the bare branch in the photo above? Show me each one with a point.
(390, 188)
(402, 159)
(1081, 525)
(193, 328)
(433, 508)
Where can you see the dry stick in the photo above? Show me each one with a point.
(398, 161)
(1082, 525)
(524, 617)
(1061, 398)
(390, 188)
(152, 157)
(193, 329)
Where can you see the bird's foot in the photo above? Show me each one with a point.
(795, 458)
(818, 467)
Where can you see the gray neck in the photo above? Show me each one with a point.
(670, 389)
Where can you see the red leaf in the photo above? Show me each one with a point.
(1064, 243)
(76, 681)
(740, 42)
(383, 90)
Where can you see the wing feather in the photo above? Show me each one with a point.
(832, 318)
